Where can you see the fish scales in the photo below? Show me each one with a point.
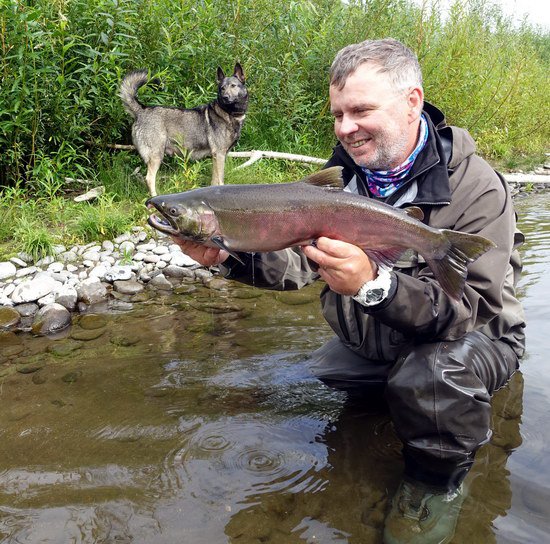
(270, 217)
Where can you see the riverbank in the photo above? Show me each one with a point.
(42, 297)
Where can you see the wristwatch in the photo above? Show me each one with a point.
(375, 291)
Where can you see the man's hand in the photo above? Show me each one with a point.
(207, 256)
(343, 266)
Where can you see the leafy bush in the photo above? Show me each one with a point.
(62, 61)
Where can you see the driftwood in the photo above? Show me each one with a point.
(527, 178)
(257, 155)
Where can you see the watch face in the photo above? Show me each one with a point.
(374, 295)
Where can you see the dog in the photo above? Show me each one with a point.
(209, 130)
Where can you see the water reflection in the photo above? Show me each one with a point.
(194, 419)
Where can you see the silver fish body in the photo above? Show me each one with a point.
(261, 218)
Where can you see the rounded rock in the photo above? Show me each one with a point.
(9, 317)
(50, 319)
(7, 270)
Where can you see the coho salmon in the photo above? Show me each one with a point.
(270, 217)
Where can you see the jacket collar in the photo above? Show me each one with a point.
(429, 170)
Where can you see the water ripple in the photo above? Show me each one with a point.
(240, 458)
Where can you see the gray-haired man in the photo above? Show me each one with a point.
(437, 360)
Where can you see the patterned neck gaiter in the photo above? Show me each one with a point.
(383, 183)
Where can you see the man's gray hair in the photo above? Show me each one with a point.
(393, 58)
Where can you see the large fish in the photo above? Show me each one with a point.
(260, 218)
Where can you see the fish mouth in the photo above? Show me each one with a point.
(162, 223)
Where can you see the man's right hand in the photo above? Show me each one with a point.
(207, 256)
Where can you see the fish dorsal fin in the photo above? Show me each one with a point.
(329, 177)
(414, 211)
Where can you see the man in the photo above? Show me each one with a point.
(439, 361)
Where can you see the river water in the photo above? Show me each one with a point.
(193, 419)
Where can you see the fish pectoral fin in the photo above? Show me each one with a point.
(386, 257)
(218, 240)
(329, 177)
(414, 211)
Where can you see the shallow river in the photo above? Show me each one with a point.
(193, 419)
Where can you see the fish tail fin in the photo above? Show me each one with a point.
(451, 270)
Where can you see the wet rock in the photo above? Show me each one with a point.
(128, 287)
(12, 351)
(203, 274)
(67, 296)
(72, 377)
(30, 368)
(38, 378)
(64, 348)
(7, 270)
(245, 294)
(217, 284)
(9, 317)
(86, 335)
(92, 322)
(50, 319)
(140, 297)
(185, 289)
(91, 290)
(120, 306)
(125, 340)
(34, 289)
(28, 309)
(160, 282)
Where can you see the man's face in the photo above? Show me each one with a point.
(377, 125)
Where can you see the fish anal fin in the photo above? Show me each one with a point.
(329, 177)
(386, 257)
(414, 211)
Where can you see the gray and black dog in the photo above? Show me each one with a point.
(209, 130)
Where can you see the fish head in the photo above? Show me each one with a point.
(189, 219)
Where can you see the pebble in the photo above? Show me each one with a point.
(74, 279)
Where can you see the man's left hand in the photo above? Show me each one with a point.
(343, 266)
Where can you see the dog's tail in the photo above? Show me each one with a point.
(129, 87)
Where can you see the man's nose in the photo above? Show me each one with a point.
(347, 125)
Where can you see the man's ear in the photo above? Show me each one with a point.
(415, 100)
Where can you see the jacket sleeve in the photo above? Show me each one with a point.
(288, 269)
(419, 307)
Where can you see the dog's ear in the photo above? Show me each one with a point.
(220, 74)
(238, 72)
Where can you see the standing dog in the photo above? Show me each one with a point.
(210, 130)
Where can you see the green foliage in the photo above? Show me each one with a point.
(34, 238)
(103, 220)
(61, 63)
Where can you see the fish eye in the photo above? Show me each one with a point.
(173, 211)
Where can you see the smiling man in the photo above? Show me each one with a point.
(436, 360)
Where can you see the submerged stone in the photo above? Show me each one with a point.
(50, 319)
(9, 317)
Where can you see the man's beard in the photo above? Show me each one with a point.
(388, 154)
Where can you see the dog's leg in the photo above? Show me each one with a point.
(218, 168)
(152, 168)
